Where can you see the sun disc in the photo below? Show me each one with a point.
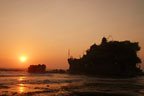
(23, 58)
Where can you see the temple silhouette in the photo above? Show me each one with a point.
(110, 58)
(40, 68)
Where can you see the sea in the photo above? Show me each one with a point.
(21, 83)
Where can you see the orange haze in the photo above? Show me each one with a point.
(44, 30)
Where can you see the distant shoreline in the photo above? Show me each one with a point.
(12, 69)
(47, 71)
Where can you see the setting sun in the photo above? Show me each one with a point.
(23, 58)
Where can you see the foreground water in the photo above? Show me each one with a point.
(25, 84)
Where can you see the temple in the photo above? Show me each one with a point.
(110, 58)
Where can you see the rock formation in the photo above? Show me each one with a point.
(117, 58)
(40, 68)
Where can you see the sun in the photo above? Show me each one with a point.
(23, 58)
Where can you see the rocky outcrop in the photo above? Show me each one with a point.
(117, 58)
(40, 68)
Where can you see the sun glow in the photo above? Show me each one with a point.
(23, 58)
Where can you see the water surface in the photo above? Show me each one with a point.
(21, 83)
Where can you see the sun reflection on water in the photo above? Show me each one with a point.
(21, 78)
(21, 87)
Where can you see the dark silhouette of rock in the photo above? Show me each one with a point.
(40, 68)
(110, 58)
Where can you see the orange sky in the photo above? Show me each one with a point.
(44, 30)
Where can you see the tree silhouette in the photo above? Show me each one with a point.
(108, 58)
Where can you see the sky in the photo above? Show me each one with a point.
(44, 30)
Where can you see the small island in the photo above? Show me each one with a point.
(110, 58)
(40, 68)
